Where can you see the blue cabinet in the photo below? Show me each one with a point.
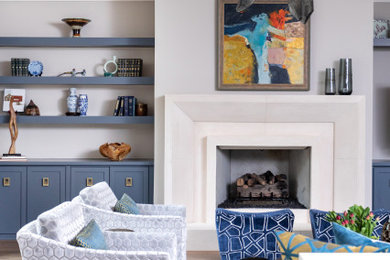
(132, 180)
(29, 188)
(381, 188)
(45, 189)
(11, 200)
(84, 176)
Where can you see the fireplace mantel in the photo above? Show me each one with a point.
(191, 121)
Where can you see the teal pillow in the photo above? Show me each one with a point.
(126, 205)
(346, 236)
(90, 237)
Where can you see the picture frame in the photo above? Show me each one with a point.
(18, 105)
(280, 58)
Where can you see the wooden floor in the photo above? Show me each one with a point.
(9, 250)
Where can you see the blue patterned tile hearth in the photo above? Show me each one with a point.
(242, 235)
(322, 229)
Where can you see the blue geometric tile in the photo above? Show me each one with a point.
(323, 231)
(251, 234)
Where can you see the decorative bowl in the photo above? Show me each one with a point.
(76, 24)
(115, 151)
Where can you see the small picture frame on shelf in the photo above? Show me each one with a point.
(381, 28)
(18, 106)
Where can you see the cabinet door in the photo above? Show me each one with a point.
(133, 180)
(381, 188)
(11, 199)
(81, 177)
(45, 189)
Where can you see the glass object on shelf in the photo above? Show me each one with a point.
(345, 77)
(330, 81)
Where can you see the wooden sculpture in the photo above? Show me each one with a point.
(13, 127)
(115, 151)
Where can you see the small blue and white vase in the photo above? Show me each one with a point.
(71, 101)
(82, 104)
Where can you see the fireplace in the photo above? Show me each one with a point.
(198, 128)
(263, 177)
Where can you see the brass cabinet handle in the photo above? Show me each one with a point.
(6, 181)
(129, 182)
(45, 182)
(89, 181)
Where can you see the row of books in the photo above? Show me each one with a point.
(125, 106)
(19, 67)
(129, 67)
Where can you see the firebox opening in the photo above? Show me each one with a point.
(257, 177)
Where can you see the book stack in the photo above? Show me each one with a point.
(129, 68)
(19, 67)
(13, 158)
(125, 106)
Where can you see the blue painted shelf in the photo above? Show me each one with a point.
(381, 43)
(80, 120)
(77, 80)
(75, 42)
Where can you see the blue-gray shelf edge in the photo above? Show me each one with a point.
(77, 80)
(81, 120)
(381, 43)
(86, 162)
(75, 42)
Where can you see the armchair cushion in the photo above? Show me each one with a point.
(323, 230)
(291, 245)
(345, 236)
(126, 205)
(242, 235)
(90, 237)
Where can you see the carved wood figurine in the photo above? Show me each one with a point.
(13, 127)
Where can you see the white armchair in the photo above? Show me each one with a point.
(48, 237)
(99, 201)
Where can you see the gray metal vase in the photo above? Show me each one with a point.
(345, 77)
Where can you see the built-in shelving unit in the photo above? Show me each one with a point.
(75, 42)
(77, 80)
(80, 120)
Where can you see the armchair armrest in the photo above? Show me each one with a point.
(172, 210)
(136, 241)
(140, 223)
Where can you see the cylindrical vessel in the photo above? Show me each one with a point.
(72, 101)
(82, 107)
(330, 81)
(345, 77)
(142, 109)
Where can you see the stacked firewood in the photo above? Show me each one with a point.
(266, 185)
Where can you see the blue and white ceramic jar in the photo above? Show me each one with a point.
(82, 104)
(71, 101)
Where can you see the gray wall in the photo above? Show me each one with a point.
(381, 107)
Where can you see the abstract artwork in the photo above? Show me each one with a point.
(262, 48)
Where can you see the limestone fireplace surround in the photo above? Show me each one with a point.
(196, 125)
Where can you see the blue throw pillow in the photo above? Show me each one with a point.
(345, 236)
(242, 235)
(90, 237)
(126, 205)
(323, 231)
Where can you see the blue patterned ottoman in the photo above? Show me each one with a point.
(323, 231)
(242, 235)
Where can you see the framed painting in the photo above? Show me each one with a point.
(262, 48)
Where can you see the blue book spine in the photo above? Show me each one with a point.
(130, 105)
(125, 104)
(134, 103)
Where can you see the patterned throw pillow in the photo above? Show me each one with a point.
(291, 245)
(243, 235)
(90, 237)
(346, 236)
(126, 205)
(323, 231)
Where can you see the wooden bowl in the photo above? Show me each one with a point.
(115, 151)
